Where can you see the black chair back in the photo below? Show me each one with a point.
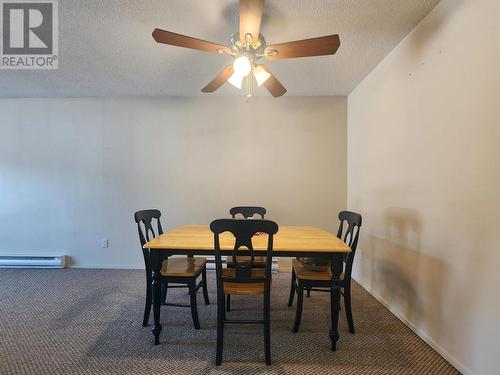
(247, 211)
(243, 230)
(144, 220)
(350, 237)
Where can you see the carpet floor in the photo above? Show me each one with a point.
(77, 321)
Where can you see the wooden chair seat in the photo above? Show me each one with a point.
(242, 260)
(304, 274)
(183, 267)
(244, 289)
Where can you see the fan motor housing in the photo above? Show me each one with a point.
(240, 47)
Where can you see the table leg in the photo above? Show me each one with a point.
(155, 260)
(336, 264)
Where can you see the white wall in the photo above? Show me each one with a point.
(73, 171)
(423, 169)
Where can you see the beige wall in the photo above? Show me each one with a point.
(424, 170)
(73, 171)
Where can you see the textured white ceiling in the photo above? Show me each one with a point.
(106, 48)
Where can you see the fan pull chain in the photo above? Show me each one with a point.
(249, 89)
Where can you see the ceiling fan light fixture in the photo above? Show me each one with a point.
(242, 66)
(247, 45)
(260, 75)
(236, 80)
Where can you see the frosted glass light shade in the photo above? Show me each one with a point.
(242, 66)
(236, 80)
(260, 75)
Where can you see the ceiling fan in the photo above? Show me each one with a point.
(247, 47)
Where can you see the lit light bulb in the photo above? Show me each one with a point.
(260, 75)
(242, 66)
(236, 80)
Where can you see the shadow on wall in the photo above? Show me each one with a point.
(403, 276)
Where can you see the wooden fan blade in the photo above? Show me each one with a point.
(168, 37)
(273, 85)
(250, 17)
(323, 45)
(219, 79)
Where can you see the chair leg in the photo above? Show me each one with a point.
(164, 289)
(298, 313)
(228, 302)
(267, 329)
(194, 307)
(149, 302)
(308, 292)
(293, 286)
(205, 287)
(221, 312)
(348, 310)
(224, 307)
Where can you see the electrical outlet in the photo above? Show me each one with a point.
(104, 243)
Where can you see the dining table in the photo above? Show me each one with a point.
(289, 241)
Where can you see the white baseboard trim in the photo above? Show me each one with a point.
(110, 267)
(420, 333)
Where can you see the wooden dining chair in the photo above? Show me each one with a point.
(247, 212)
(182, 272)
(243, 279)
(304, 278)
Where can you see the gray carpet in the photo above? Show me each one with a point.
(89, 322)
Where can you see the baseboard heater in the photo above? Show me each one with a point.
(33, 261)
(211, 263)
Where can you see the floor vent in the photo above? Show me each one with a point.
(32, 261)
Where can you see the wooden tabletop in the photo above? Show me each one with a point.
(289, 239)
